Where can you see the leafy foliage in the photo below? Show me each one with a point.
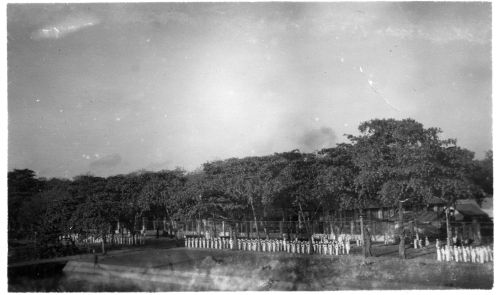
(389, 162)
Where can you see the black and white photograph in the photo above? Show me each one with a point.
(248, 146)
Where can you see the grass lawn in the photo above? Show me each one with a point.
(282, 271)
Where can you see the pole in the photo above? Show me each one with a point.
(362, 233)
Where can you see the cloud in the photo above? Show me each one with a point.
(65, 27)
(440, 34)
(109, 161)
(317, 139)
(435, 22)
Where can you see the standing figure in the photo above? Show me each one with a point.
(95, 259)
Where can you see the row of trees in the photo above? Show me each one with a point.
(388, 162)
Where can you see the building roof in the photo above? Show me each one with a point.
(487, 206)
(469, 207)
(424, 216)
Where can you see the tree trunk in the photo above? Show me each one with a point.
(402, 231)
(155, 225)
(477, 231)
(309, 228)
(255, 219)
(448, 228)
(264, 223)
(362, 233)
(103, 243)
(170, 223)
(235, 237)
(281, 226)
(265, 229)
(326, 221)
(367, 244)
(288, 225)
(416, 228)
(331, 223)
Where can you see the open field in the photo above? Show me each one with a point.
(201, 269)
(159, 267)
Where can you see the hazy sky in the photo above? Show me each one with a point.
(114, 88)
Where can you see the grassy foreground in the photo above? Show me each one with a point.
(282, 271)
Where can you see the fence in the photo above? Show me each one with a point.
(381, 231)
(209, 228)
(115, 239)
(386, 231)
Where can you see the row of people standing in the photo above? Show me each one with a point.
(480, 254)
(341, 247)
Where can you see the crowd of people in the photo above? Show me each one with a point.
(477, 254)
(340, 246)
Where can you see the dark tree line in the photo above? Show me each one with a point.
(389, 162)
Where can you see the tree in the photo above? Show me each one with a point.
(453, 180)
(241, 179)
(396, 160)
(482, 175)
(338, 179)
(125, 190)
(302, 181)
(157, 196)
(97, 217)
(96, 213)
(23, 190)
(54, 211)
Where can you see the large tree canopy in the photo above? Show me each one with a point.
(390, 162)
(401, 161)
